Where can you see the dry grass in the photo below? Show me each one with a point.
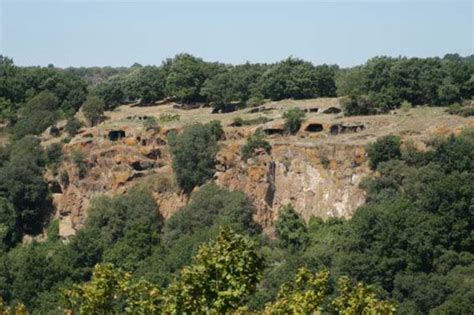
(418, 122)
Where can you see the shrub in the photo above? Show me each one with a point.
(406, 106)
(54, 154)
(73, 125)
(216, 129)
(358, 105)
(169, 117)
(384, 149)
(291, 229)
(238, 122)
(255, 141)
(79, 161)
(256, 100)
(325, 161)
(457, 109)
(150, 123)
(293, 119)
(53, 230)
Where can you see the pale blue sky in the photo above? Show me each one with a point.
(118, 33)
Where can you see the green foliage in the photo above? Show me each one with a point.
(384, 149)
(54, 154)
(359, 300)
(295, 78)
(111, 92)
(9, 232)
(383, 83)
(169, 117)
(145, 83)
(19, 85)
(359, 105)
(224, 273)
(80, 162)
(308, 294)
(325, 161)
(186, 75)
(457, 109)
(22, 183)
(194, 152)
(72, 126)
(406, 106)
(37, 115)
(455, 153)
(211, 206)
(293, 119)
(18, 309)
(239, 122)
(127, 227)
(93, 109)
(234, 84)
(291, 229)
(7, 110)
(254, 142)
(53, 230)
(112, 291)
(150, 123)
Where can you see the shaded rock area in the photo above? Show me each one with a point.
(332, 110)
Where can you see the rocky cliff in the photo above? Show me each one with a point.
(318, 170)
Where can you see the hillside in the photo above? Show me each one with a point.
(318, 170)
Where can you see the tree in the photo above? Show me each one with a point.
(111, 91)
(93, 109)
(112, 291)
(185, 76)
(9, 231)
(384, 149)
(290, 78)
(308, 295)
(233, 84)
(7, 110)
(211, 206)
(39, 113)
(145, 83)
(293, 119)
(224, 273)
(127, 227)
(194, 152)
(22, 183)
(291, 229)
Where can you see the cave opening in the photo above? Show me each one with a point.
(314, 128)
(115, 135)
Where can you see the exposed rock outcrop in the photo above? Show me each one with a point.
(295, 173)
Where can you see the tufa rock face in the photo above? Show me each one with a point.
(110, 166)
(297, 174)
(318, 179)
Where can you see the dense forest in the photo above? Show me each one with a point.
(408, 250)
(381, 84)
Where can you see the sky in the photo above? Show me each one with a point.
(119, 33)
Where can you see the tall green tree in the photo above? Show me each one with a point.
(93, 109)
(224, 273)
(194, 152)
